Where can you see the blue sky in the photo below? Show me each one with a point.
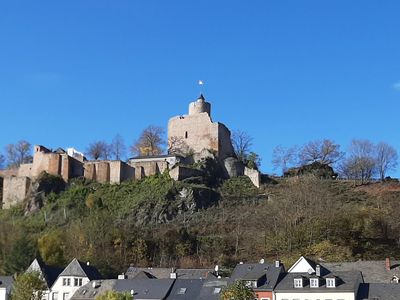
(286, 72)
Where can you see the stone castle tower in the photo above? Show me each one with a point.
(199, 132)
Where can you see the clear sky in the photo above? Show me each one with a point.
(286, 72)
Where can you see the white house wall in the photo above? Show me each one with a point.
(63, 289)
(301, 266)
(315, 296)
(3, 294)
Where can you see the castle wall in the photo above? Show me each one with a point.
(181, 172)
(254, 176)
(197, 131)
(225, 148)
(127, 172)
(15, 190)
(148, 168)
(114, 171)
(45, 160)
(25, 170)
(89, 170)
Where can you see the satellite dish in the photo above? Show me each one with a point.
(310, 271)
(216, 268)
(262, 260)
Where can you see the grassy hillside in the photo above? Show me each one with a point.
(159, 222)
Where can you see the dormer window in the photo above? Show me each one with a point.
(298, 282)
(330, 282)
(314, 282)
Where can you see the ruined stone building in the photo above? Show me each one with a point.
(66, 164)
(195, 136)
(199, 132)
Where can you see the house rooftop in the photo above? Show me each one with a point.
(185, 289)
(6, 282)
(49, 273)
(134, 272)
(80, 269)
(379, 291)
(372, 271)
(142, 288)
(345, 282)
(268, 273)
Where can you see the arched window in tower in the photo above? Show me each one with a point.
(186, 134)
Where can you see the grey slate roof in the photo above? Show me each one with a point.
(80, 269)
(156, 289)
(186, 289)
(345, 282)
(209, 286)
(6, 282)
(266, 274)
(372, 271)
(379, 291)
(49, 273)
(133, 272)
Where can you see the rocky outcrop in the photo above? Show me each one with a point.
(184, 203)
(41, 187)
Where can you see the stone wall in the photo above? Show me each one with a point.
(254, 176)
(149, 168)
(108, 171)
(15, 190)
(98, 171)
(181, 172)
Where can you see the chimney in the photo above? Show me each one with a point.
(122, 276)
(277, 263)
(318, 270)
(387, 264)
(173, 274)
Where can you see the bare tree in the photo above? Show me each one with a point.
(284, 158)
(361, 162)
(99, 150)
(118, 148)
(177, 145)
(18, 153)
(322, 151)
(386, 159)
(150, 142)
(241, 142)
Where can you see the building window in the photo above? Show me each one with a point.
(66, 296)
(298, 282)
(66, 281)
(330, 282)
(55, 296)
(77, 281)
(314, 282)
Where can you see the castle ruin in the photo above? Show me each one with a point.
(191, 138)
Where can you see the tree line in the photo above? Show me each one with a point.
(363, 160)
(150, 142)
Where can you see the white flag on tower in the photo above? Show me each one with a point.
(201, 82)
